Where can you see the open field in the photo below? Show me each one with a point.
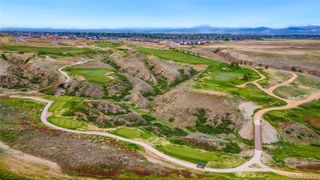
(213, 159)
(284, 54)
(96, 75)
(109, 44)
(177, 56)
(301, 88)
(53, 52)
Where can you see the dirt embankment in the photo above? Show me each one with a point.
(180, 104)
(27, 71)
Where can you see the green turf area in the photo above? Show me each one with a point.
(213, 159)
(305, 114)
(96, 75)
(7, 175)
(132, 133)
(109, 44)
(54, 52)
(225, 78)
(283, 150)
(63, 111)
(177, 56)
(66, 122)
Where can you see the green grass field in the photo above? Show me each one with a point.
(132, 133)
(225, 78)
(66, 122)
(177, 56)
(54, 52)
(109, 44)
(63, 110)
(95, 75)
(213, 159)
(283, 150)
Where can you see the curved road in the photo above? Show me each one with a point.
(256, 159)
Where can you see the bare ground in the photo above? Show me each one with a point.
(180, 104)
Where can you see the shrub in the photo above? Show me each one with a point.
(232, 147)
(148, 118)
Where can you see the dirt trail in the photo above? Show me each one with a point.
(257, 118)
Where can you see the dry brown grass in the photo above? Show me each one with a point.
(284, 54)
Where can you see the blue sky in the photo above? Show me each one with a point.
(157, 13)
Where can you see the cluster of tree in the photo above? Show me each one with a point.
(162, 36)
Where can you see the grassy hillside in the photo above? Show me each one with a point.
(220, 76)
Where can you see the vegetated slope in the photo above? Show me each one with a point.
(77, 155)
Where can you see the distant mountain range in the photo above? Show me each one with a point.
(296, 30)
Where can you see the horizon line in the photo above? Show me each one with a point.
(168, 27)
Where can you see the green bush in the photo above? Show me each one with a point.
(148, 118)
(232, 147)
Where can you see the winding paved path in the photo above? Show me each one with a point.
(256, 159)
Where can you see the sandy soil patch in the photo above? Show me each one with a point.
(247, 109)
(79, 78)
(110, 75)
(30, 166)
(268, 132)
